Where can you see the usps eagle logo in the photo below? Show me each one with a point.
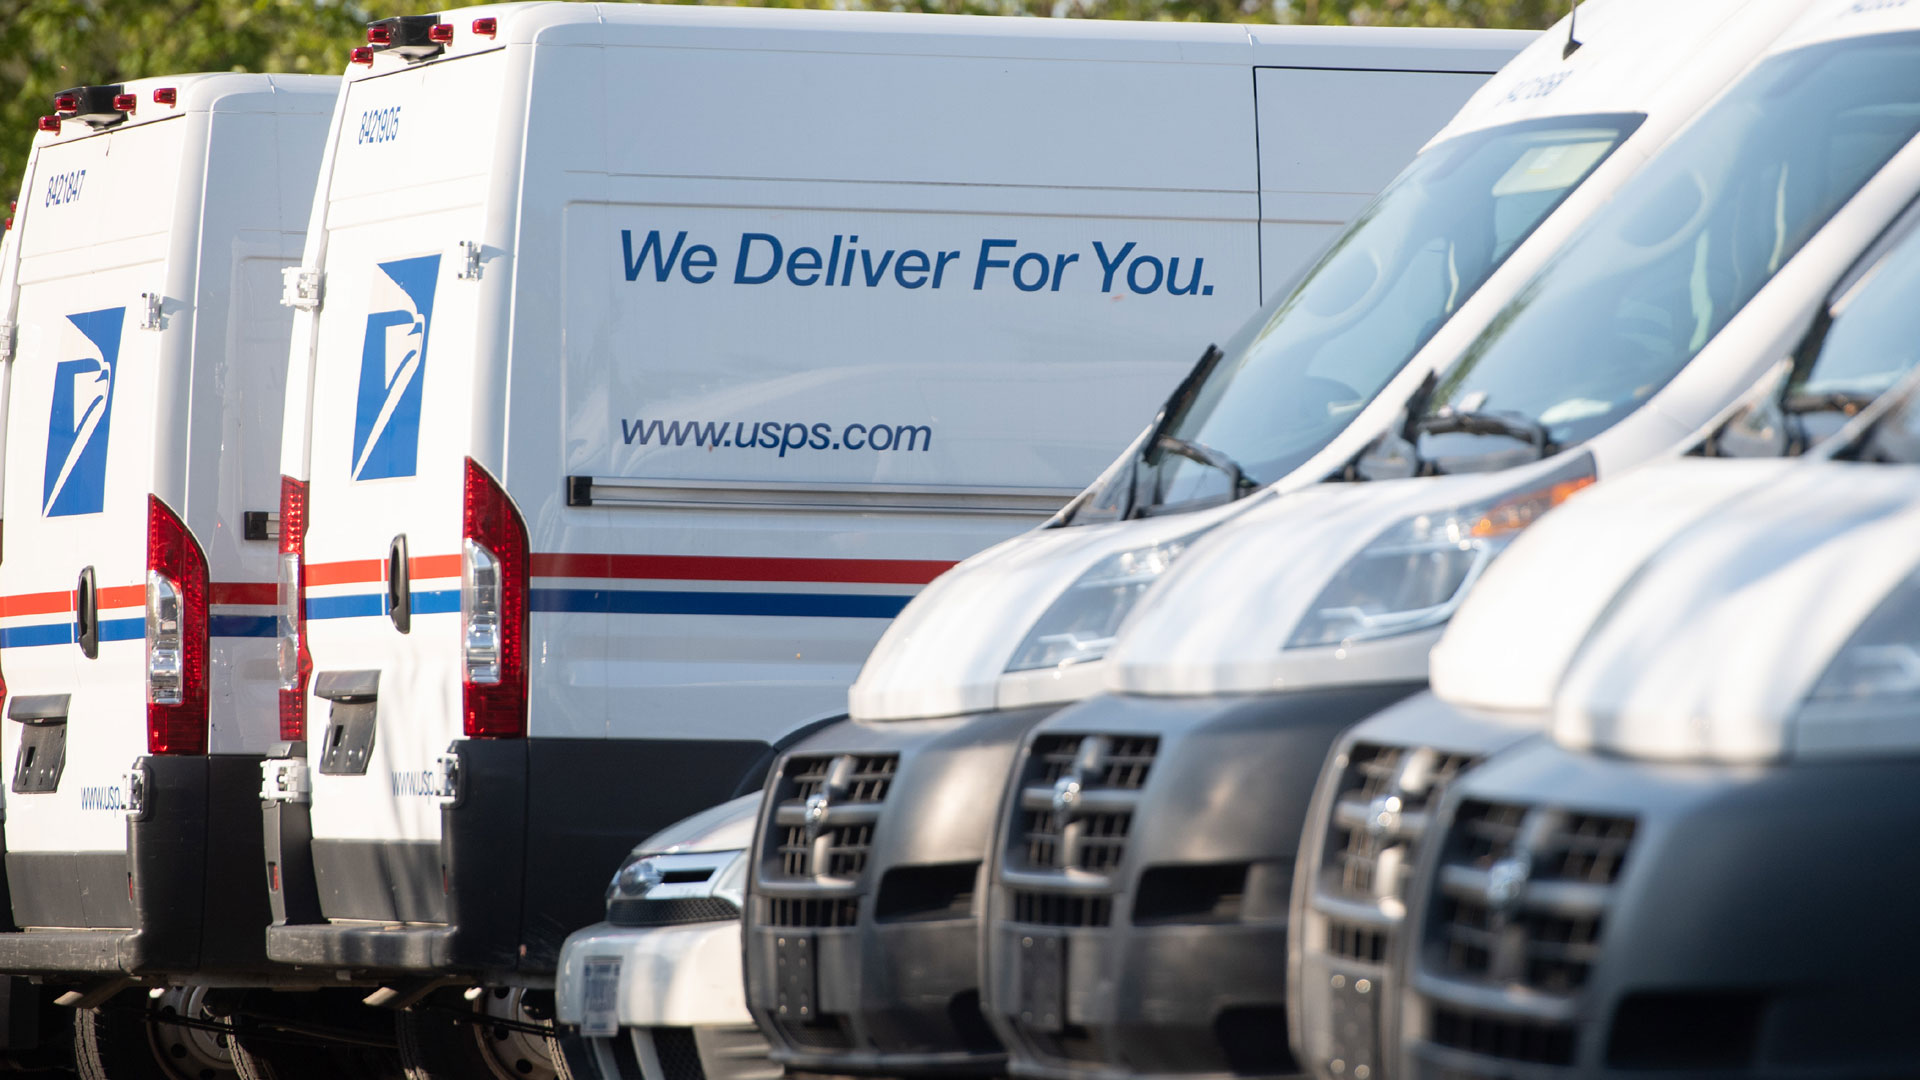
(75, 479)
(393, 366)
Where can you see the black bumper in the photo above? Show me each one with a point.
(1363, 836)
(182, 899)
(523, 859)
(1142, 930)
(863, 953)
(1756, 924)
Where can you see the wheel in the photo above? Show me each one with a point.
(129, 1038)
(319, 1035)
(496, 1034)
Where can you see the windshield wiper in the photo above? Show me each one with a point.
(1173, 411)
(1206, 455)
(1526, 429)
(1846, 402)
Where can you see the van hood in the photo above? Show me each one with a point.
(1710, 653)
(727, 827)
(946, 653)
(1513, 637)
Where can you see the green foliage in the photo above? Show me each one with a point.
(50, 45)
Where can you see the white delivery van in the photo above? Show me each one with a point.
(1496, 669)
(651, 358)
(1305, 615)
(1001, 642)
(140, 317)
(1686, 870)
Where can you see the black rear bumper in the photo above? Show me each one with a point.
(1139, 927)
(183, 898)
(876, 969)
(523, 859)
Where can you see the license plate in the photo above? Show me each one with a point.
(1043, 982)
(600, 1017)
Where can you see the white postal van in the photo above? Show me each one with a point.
(140, 315)
(652, 358)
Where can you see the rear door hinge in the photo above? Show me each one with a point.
(469, 261)
(152, 313)
(6, 342)
(300, 287)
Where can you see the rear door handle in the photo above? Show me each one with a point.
(399, 585)
(86, 615)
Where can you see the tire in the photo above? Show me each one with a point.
(448, 1037)
(128, 1039)
(282, 1037)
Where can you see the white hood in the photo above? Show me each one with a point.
(945, 653)
(727, 827)
(1509, 644)
(1710, 653)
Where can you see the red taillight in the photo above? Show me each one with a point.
(361, 55)
(379, 34)
(296, 663)
(440, 33)
(486, 27)
(493, 611)
(166, 95)
(50, 123)
(176, 635)
(66, 103)
(125, 102)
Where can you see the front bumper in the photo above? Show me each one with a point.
(863, 943)
(1362, 839)
(670, 976)
(182, 899)
(1138, 922)
(1717, 922)
(523, 856)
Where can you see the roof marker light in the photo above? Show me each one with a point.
(486, 27)
(380, 34)
(125, 102)
(68, 102)
(50, 123)
(166, 95)
(361, 55)
(442, 33)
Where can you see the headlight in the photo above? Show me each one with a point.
(687, 876)
(1879, 666)
(1415, 574)
(635, 876)
(1081, 623)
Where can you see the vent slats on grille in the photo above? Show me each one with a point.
(1059, 909)
(639, 911)
(830, 912)
(1514, 1040)
(1491, 929)
(1098, 840)
(1396, 785)
(856, 780)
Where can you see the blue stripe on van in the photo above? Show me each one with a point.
(14, 637)
(360, 605)
(660, 602)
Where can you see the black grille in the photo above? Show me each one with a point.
(1351, 941)
(832, 849)
(1514, 1040)
(1081, 839)
(629, 911)
(1413, 779)
(816, 913)
(1509, 940)
(678, 1053)
(1059, 909)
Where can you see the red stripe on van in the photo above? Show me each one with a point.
(245, 592)
(123, 596)
(360, 571)
(736, 568)
(40, 603)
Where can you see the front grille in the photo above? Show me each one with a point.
(679, 1054)
(1081, 837)
(1490, 929)
(852, 786)
(1379, 815)
(811, 913)
(1059, 909)
(638, 911)
(1515, 1040)
(1350, 941)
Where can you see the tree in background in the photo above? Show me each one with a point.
(49, 45)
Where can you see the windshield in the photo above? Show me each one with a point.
(1875, 335)
(1657, 273)
(1295, 374)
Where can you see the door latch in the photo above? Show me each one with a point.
(300, 287)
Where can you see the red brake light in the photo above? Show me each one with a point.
(66, 103)
(166, 95)
(493, 611)
(125, 102)
(486, 27)
(296, 662)
(379, 34)
(176, 635)
(361, 55)
(50, 123)
(440, 33)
